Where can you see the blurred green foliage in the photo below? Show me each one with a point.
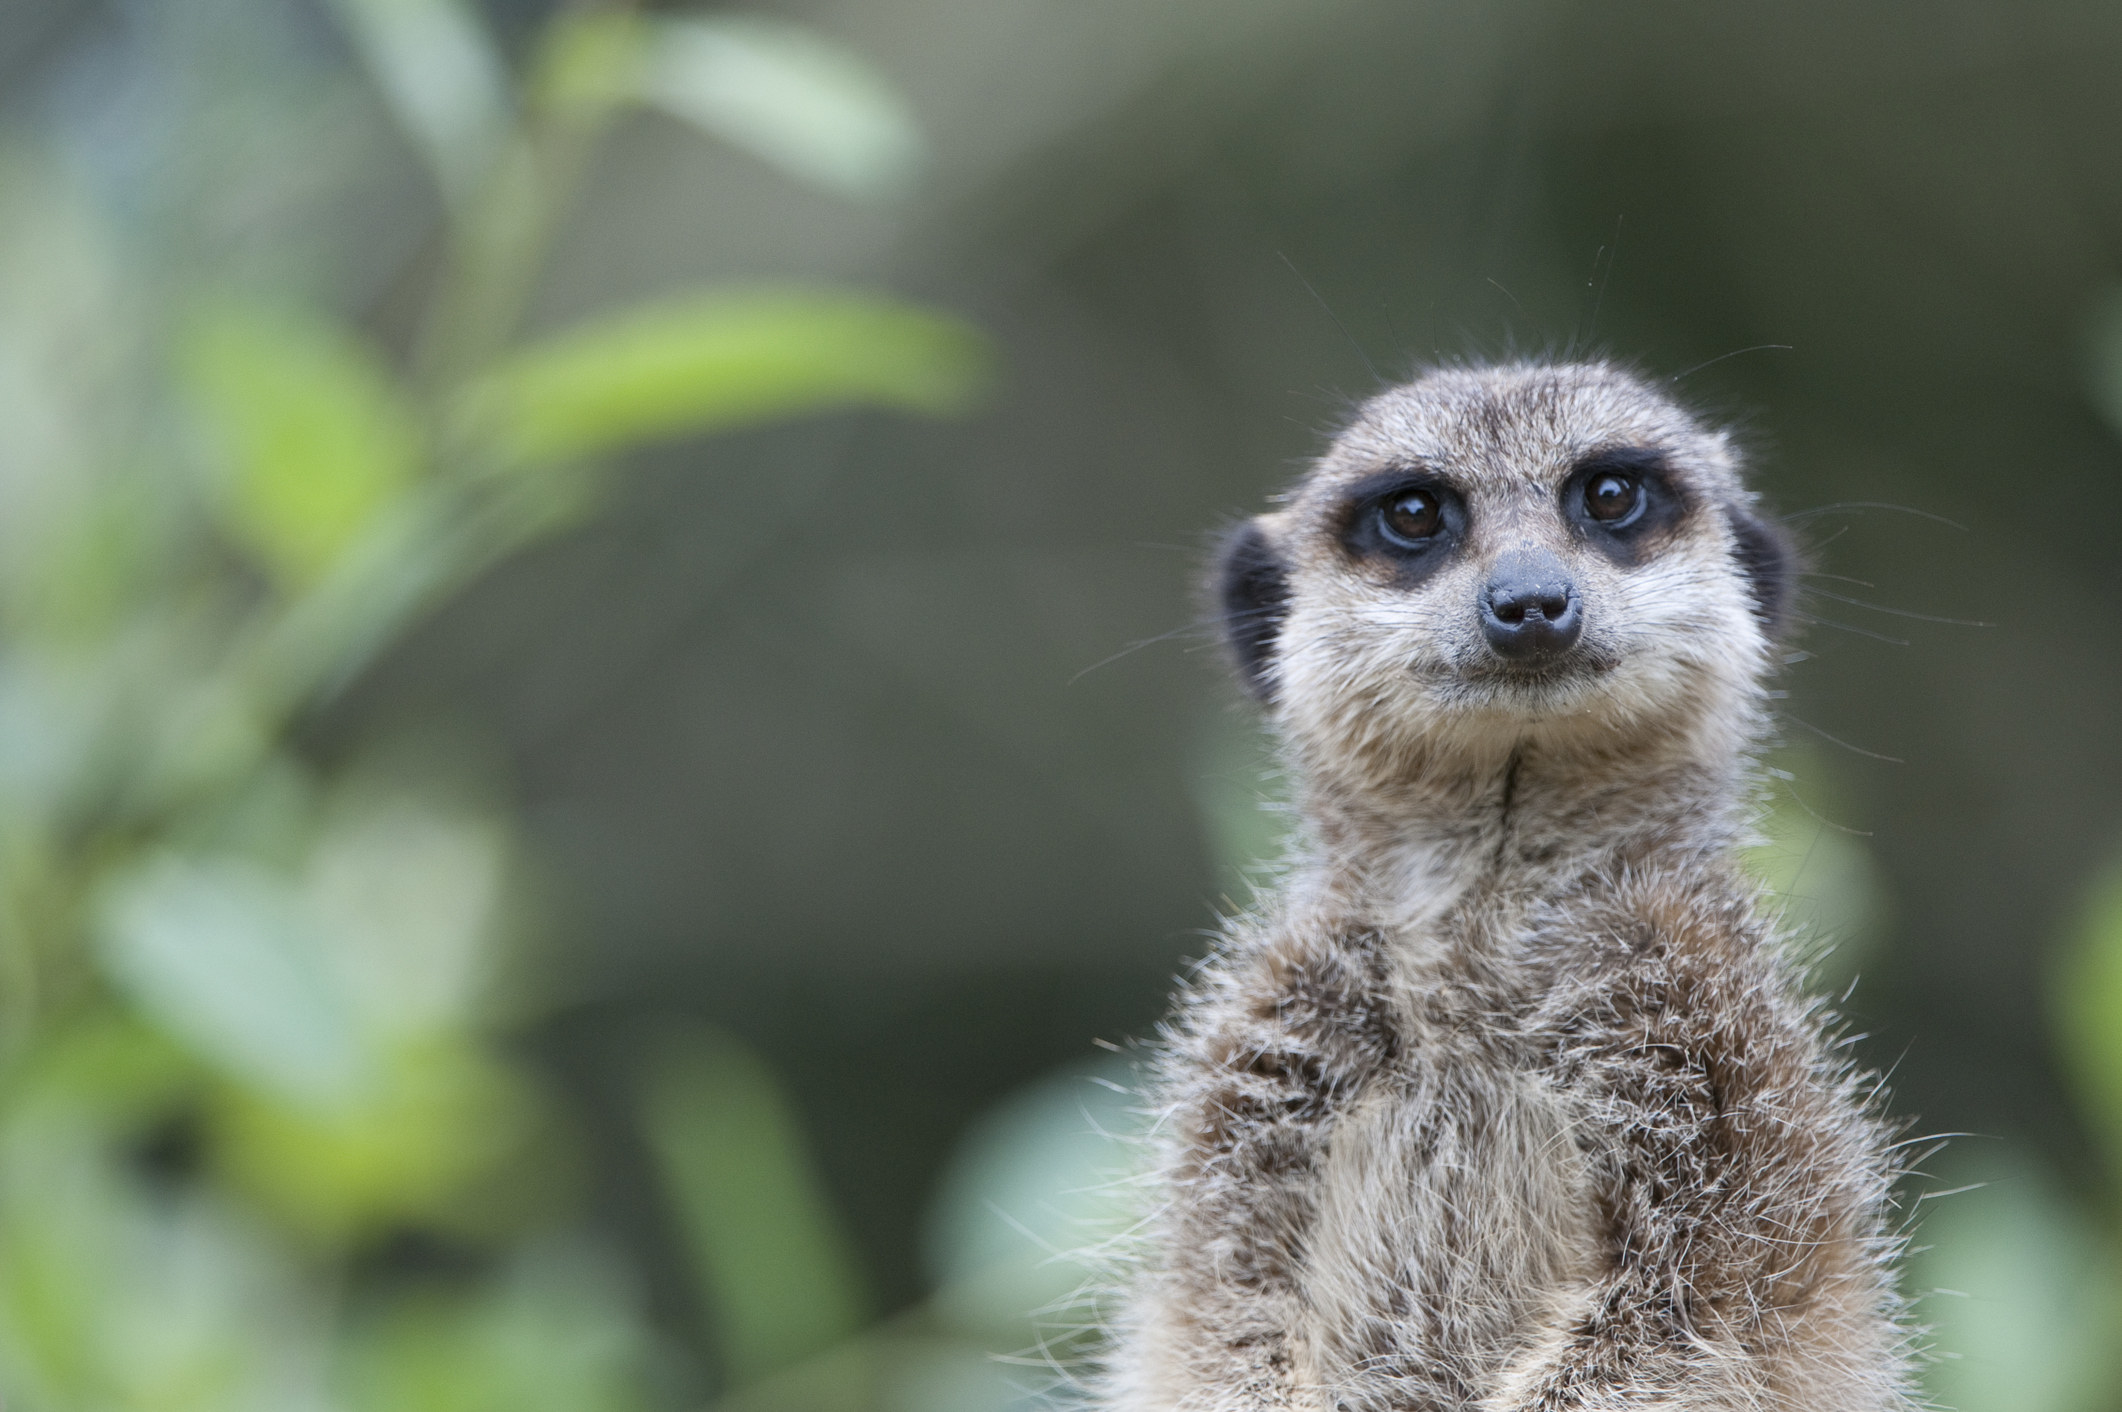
(773, 1263)
(269, 1131)
(257, 1010)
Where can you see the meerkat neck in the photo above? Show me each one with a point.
(1523, 817)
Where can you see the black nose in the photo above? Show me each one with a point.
(1530, 612)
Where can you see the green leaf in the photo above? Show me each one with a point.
(766, 1250)
(718, 361)
(2009, 1279)
(316, 437)
(429, 1142)
(2089, 1011)
(556, 1333)
(444, 81)
(1037, 1187)
(103, 1069)
(115, 1297)
(223, 956)
(790, 97)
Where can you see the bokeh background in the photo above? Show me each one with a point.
(605, 750)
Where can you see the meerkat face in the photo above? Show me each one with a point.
(1488, 554)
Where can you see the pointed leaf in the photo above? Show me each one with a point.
(317, 439)
(2089, 1011)
(439, 71)
(724, 360)
(768, 1254)
(789, 96)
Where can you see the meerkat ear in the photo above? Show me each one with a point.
(1252, 595)
(1769, 560)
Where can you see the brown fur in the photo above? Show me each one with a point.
(1508, 1099)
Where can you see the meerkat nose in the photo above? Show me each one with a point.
(1530, 611)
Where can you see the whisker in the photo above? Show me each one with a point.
(1832, 538)
(1837, 740)
(1203, 627)
(1757, 348)
(1612, 253)
(1900, 612)
(1861, 632)
(1926, 1137)
(1790, 788)
(1510, 296)
(1376, 376)
(1842, 505)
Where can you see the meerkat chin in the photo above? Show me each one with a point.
(1508, 1098)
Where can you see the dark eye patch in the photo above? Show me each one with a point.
(1623, 501)
(1406, 519)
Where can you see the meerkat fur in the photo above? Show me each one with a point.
(1508, 1098)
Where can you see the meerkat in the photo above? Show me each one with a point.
(1508, 1096)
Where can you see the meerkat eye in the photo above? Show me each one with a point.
(1411, 517)
(1403, 521)
(1612, 498)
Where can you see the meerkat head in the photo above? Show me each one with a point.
(1496, 556)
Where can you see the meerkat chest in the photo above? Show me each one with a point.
(1453, 1196)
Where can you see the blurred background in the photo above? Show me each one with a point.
(604, 748)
